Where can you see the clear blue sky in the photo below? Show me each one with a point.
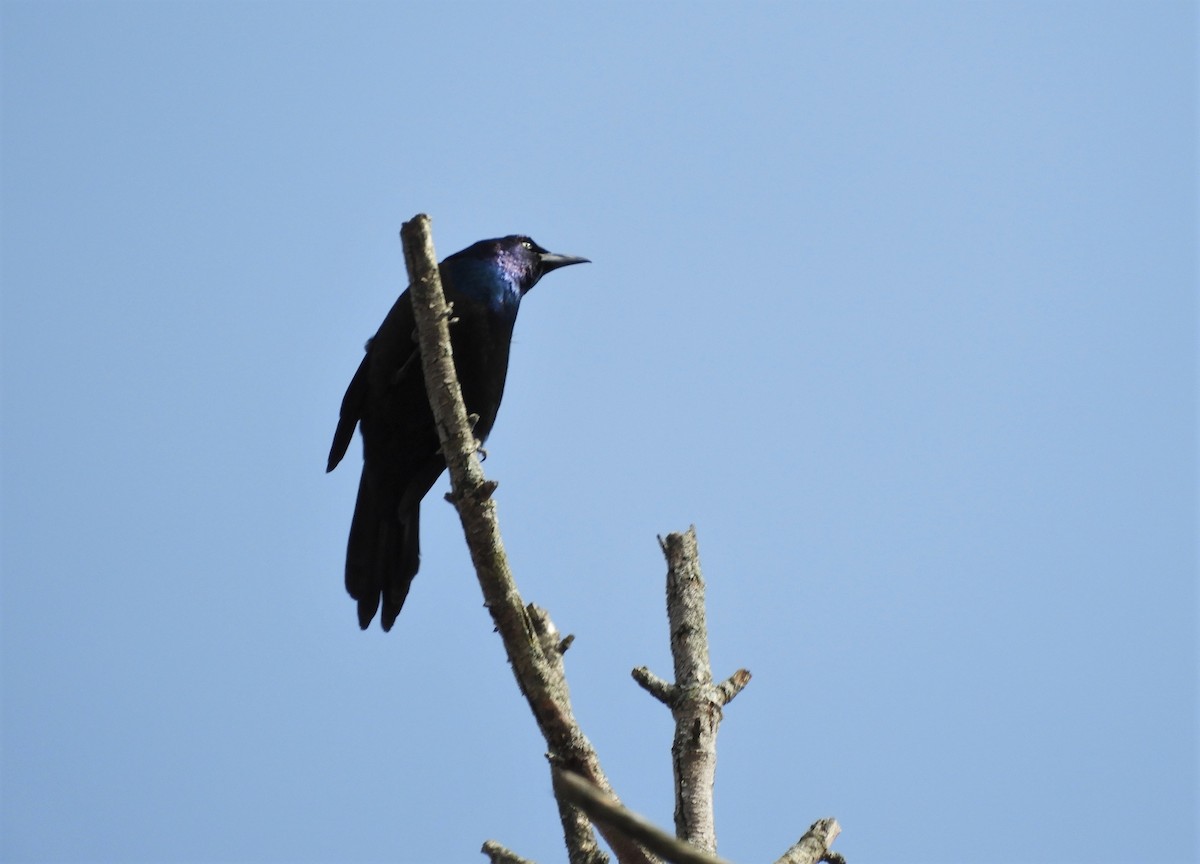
(896, 302)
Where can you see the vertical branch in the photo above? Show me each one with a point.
(698, 704)
(694, 700)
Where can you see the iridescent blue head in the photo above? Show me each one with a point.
(499, 272)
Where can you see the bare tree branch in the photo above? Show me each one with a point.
(577, 830)
(694, 700)
(539, 678)
(501, 855)
(606, 810)
(661, 690)
(814, 845)
(733, 685)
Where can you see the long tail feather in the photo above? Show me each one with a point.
(382, 556)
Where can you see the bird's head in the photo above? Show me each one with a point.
(517, 259)
(525, 262)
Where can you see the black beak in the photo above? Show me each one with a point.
(551, 261)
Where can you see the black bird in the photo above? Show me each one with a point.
(387, 399)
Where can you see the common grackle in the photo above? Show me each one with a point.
(387, 399)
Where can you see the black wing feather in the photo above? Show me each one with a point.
(351, 412)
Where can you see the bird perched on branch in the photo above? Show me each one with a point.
(387, 400)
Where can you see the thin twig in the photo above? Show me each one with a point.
(661, 690)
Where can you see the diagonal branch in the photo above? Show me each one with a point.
(501, 855)
(538, 671)
(814, 845)
(606, 810)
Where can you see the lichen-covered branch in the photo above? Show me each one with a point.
(695, 701)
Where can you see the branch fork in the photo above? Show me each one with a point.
(535, 649)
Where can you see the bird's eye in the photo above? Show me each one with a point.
(527, 244)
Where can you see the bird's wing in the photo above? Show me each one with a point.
(352, 408)
(391, 357)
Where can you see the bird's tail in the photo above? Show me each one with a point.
(382, 556)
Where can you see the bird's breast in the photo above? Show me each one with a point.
(481, 348)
